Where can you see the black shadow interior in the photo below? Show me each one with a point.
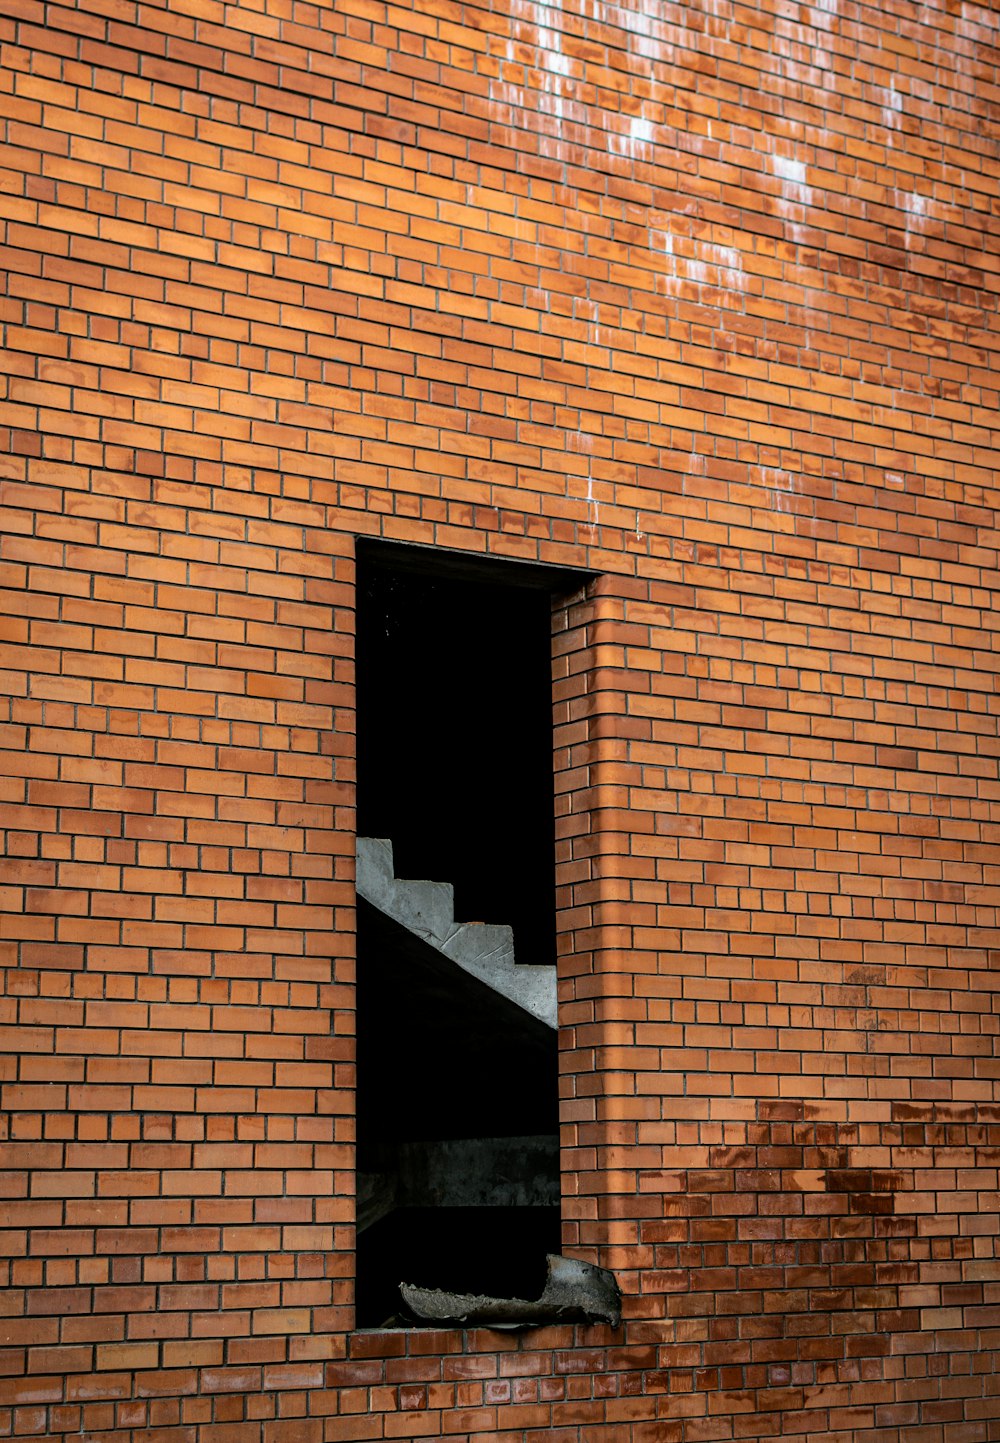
(455, 767)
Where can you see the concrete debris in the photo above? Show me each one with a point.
(575, 1292)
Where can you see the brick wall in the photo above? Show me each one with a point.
(701, 298)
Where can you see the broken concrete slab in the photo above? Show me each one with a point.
(575, 1292)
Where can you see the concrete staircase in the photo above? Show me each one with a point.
(483, 949)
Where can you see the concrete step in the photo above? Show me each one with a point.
(483, 949)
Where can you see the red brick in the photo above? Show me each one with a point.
(698, 302)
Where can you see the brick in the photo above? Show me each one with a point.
(696, 302)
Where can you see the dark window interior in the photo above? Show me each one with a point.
(455, 768)
(455, 741)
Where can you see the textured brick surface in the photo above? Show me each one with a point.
(703, 298)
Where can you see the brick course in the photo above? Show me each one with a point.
(701, 299)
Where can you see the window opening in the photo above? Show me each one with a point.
(457, 1110)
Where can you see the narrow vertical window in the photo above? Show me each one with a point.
(458, 1170)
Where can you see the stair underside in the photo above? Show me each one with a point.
(485, 950)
